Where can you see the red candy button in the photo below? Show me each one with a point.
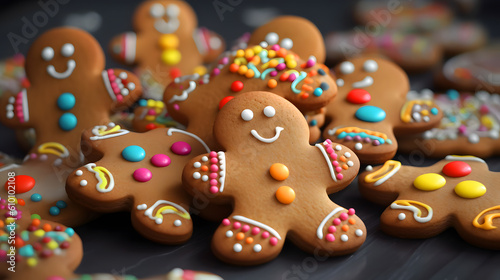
(457, 169)
(359, 96)
(20, 184)
(224, 101)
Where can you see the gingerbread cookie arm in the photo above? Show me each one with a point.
(123, 87)
(123, 48)
(485, 225)
(14, 110)
(100, 138)
(418, 115)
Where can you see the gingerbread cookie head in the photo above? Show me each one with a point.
(457, 192)
(165, 17)
(261, 177)
(32, 248)
(297, 33)
(371, 107)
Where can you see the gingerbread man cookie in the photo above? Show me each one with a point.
(70, 91)
(140, 173)
(195, 100)
(166, 44)
(263, 174)
(471, 125)
(458, 192)
(371, 106)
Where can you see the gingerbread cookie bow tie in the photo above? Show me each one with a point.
(166, 44)
(458, 192)
(274, 189)
(371, 107)
(70, 91)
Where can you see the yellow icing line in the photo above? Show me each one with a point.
(350, 129)
(488, 219)
(171, 209)
(389, 168)
(54, 149)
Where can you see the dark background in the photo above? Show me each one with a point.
(112, 246)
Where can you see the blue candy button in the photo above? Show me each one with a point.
(67, 121)
(370, 114)
(133, 153)
(66, 101)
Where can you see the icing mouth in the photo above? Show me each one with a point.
(267, 140)
(167, 27)
(70, 66)
(366, 82)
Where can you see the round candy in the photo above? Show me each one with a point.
(181, 148)
(67, 121)
(237, 86)
(358, 96)
(171, 57)
(133, 153)
(285, 195)
(66, 101)
(36, 197)
(169, 41)
(470, 189)
(54, 211)
(160, 160)
(370, 114)
(142, 175)
(20, 184)
(279, 171)
(457, 169)
(61, 204)
(429, 182)
(224, 101)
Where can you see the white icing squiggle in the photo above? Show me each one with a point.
(111, 184)
(185, 93)
(96, 131)
(366, 82)
(171, 130)
(415, 211)
(464, 158)
(267, 140)
(330, 167)
(222, 161)
(255, 223)
(149, 211)
(107, 84)
(319, 231)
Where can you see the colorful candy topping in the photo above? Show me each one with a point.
(117, 86)
(181, 148)
(370, 114)
(279, 171)
(429, 182)
(160, 160)
(285, 195)
(470, 189)
(361, 136)
(249, 232)
(142, 175)
(337, 227)
(457, 169)
(358, 96)
(18, 106)
(133, 153)
(20, 184)
(215, 164)
(66, 101)
(68, 121)
(337, 162)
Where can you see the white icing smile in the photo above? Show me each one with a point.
(172, 12)
(366, 82)
(71, 65)
(267, 140)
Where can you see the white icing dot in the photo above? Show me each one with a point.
(347, 154)
(338, 148)
(124, 91)
(369, 168)
(269, 111)
(287, 43)
(197, 164)
(197, 175)
(79, 173)
(177, 223)
(237, 247)
(131, 86)
(473, 138)
(359, 232)
(426, 118)
(370, 66)
(48, 53)
(358, 146)
(57, 162)
(83, 183)
(123, 75)
(10, 114)
(43, 157)
(257, 248)
(401, 216)
(344, 237)
(340, 82)
(204, 178)
(57, 251)
(111, 124)
(346, 67)
(172, 11)
(142, 207)
(350, 163)
(158, 221)
(204, 158)
(118, 80)
(157, 10)
(229, 233)
(222, 173)
(247, 115)
(12, 99)
(264, 45)
(67, 50)
(272, 38)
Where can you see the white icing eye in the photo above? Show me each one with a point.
(67, 50)
(272, 38)
(269, 111)
(370, 66)
(340, 82)
(48, 53)
(346, 67)
(287, 43)
(247, 115)
(157, 10)
(172, 11)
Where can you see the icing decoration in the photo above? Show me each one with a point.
(464, 158)
(258, 224)
(346, 67)
(67, 50)
(366, 82)
(267, 140)
(18, 106)
(66, 101)
(133, 153)
(70, 67)
(172, 130)
(117, 86)
(102, 132)
(429, 182)
(181, 148)
(279, 171)
(160, 160)
(20, 184)
(388, 170)
(247, 115)
(105, 180)
(172, 12)
(470, 189)
(68, 121)
(358, 96)
(457, 169)
(418, 110)
(285, 195)
(335, 162)
(370, 114)
(47, 53)
(168, 208)
(269, 111)
(142, 175)
(370, 66)
(488, 219)
(360, 135)
(417, 213)
(54, 149)
(185, 93)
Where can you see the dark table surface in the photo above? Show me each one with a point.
(112, 246)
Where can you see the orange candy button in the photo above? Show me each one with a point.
(285, 195)
(345, 227)
(279, 171)
(249, 240)
(240, 236)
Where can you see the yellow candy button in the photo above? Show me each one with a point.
(285, 195)
(169, 41)
(171, 57)
(429, 182)
(470, 189)
(279, 171)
